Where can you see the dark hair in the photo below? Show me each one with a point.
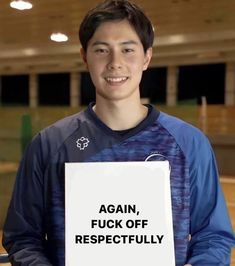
(112, 10)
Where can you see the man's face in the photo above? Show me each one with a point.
(115, 59)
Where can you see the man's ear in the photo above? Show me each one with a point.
(147, 59)
(83, 55)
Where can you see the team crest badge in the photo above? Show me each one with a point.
(82, 143)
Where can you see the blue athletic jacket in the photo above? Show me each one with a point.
(34, 229)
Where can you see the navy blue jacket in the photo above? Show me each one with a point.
(34, 228)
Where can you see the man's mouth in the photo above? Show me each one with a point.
(116, 80)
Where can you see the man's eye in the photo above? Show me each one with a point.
(101, 51)
(128, 50)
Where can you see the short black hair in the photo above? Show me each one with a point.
(111, 10)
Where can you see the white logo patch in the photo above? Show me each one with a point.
(156, 156)
(82, 143)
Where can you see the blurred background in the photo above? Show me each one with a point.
(43, 79)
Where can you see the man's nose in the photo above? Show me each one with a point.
(115, 61)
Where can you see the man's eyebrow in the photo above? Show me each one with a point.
(129, 42)
(121, 43)
(99, 43)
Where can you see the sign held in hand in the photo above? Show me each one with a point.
(118, 214)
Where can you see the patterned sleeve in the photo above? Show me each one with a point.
(211, 230)
(23, 233)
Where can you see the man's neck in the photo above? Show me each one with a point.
(120, 115)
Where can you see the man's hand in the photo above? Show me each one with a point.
(188, 265)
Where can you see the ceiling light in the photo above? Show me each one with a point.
(59, 37)
(21, 5)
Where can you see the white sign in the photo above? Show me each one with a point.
(118, 214)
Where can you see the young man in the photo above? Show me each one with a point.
(116, 40)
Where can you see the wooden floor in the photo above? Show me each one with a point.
(2, 251)
(228, 186)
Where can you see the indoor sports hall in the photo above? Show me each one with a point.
(43, 77)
